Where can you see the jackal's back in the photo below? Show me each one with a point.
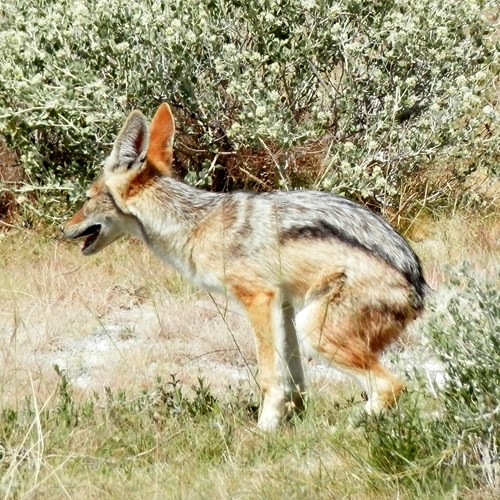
(311, 215)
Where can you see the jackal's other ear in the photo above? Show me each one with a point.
(161, 133)
(131, 145)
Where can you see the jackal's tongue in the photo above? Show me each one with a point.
(89, 240)
(92, 233)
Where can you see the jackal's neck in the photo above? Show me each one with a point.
(186, 204)
(168, 212)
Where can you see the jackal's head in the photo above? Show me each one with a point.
(139, 154)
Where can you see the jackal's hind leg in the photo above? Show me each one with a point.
(350, 336)
(281, 376)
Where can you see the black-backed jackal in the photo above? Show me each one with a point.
(306, 266)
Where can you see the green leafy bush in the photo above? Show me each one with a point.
(351, 96)
(469, 345)
(458, 442)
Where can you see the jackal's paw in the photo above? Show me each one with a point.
(375, 405)
(371, 410)
(269, 421)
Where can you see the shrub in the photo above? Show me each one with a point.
(346, 95)
(469, 345)
(457, 444)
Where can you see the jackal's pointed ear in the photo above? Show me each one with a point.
(161, 133)
(131, 145)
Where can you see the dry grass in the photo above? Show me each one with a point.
(119, 320)
(463, 237)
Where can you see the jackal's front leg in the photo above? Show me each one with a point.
(280, 369)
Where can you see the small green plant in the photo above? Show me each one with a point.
(65, 408)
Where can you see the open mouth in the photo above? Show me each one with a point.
(91, 233)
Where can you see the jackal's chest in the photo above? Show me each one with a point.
(206, 279)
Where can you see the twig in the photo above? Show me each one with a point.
(402, 207)
(256, 179)
(278, 166)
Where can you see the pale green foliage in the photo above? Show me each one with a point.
(388, 86)
(459, 440)
(467, 339)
